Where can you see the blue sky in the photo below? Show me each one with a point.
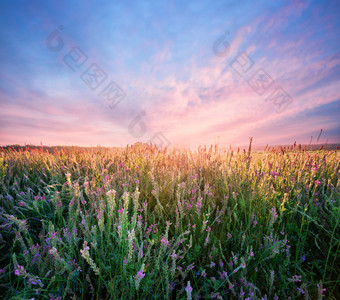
(274, 75)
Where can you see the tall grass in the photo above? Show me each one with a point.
(156, 223)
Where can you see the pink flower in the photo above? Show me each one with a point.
(165, 242)
(314, 168)
(19, 270)
(140, 275)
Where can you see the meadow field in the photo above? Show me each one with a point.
(149, 223)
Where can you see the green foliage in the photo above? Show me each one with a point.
(143, 222)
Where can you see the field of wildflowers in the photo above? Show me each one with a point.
(149, 223)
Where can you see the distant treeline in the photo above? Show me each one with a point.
(49, 149)
(268, 148)
(54, 149)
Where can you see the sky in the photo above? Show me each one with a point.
(174, 73)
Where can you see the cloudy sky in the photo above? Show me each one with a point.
(187, 73)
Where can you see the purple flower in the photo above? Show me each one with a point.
(188, 289)
(140, 275)
(321, 289)
(35, 281)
